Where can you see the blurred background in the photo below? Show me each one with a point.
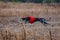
(12, 10)
(33, 1)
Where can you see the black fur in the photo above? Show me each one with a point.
(42, 20)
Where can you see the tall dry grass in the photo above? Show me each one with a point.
(8, 34)
(28, 32)
(17, 31)
(28, 9)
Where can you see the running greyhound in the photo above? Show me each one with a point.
(31, 19)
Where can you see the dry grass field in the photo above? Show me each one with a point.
(11, 29)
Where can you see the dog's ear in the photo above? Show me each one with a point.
(23, 19)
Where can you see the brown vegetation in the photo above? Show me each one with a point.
(26, 9)
(16, 31)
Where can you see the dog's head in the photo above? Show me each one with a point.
(23, 19)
